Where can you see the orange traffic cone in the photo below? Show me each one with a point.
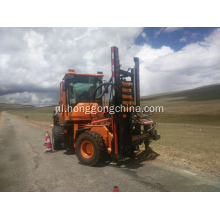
(115, 189)
(48, 147)
(47, 135)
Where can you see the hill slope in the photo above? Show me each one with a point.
(199, 106)
(43, 114)
(204, 93)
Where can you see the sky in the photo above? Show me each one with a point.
(33, 61)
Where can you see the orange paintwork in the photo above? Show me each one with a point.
(127, 84)
(128, 109)
(126, 90)
(75, 127)
(127, 96)
(82, 116)
(128, 103)
(104, 132)
(86, 149)
(83, 74)
(81, 111)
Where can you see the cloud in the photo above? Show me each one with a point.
(26, 98)
(166, 30)
(33, 64)
(34, 60)
(194, 65)
(158, 32)
(171, 29)
(144, 35)
(183, 39)
(194, 35)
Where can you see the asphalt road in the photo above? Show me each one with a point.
(25, 167)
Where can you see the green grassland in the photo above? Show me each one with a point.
(197, 106)
(42, 114)
(193, 144)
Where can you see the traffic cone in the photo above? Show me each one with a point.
(115, 189)
(48, 147)
(47, 135)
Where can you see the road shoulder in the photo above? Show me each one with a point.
(152, 157)
(1, 119)
(44, 125)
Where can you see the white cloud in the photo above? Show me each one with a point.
(144, 35)
(47, 53)
(4, 58)
(194, 35)
(166, 30)
(158, 32)
(32, 70)
(195, 65)
(171, 29)
(183, 39)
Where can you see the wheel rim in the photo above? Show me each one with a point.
(87, 149)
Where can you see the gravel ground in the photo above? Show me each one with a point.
(25, 167)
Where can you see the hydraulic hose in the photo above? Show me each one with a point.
(152, 127)
(106, 87)
(106, 83)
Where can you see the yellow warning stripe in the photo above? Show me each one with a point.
(130, 109)
(127, 96)
(127, 103)
(127, 84)
(126, 90)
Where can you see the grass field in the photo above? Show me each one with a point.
(189, 144)
(198, 106)
(42, 114)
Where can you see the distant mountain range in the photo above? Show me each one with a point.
(209, 92)
(29, 105)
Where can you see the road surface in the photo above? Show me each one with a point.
(25, 167)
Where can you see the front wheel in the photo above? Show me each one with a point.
(147, 146)
(57, 138)
(90, 147)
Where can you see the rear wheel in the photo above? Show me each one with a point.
(57, 138)
(90, 148)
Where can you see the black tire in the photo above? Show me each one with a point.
(96, 142)
(147, 146)
(57, 138)
(56, 119)
(132, 153)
